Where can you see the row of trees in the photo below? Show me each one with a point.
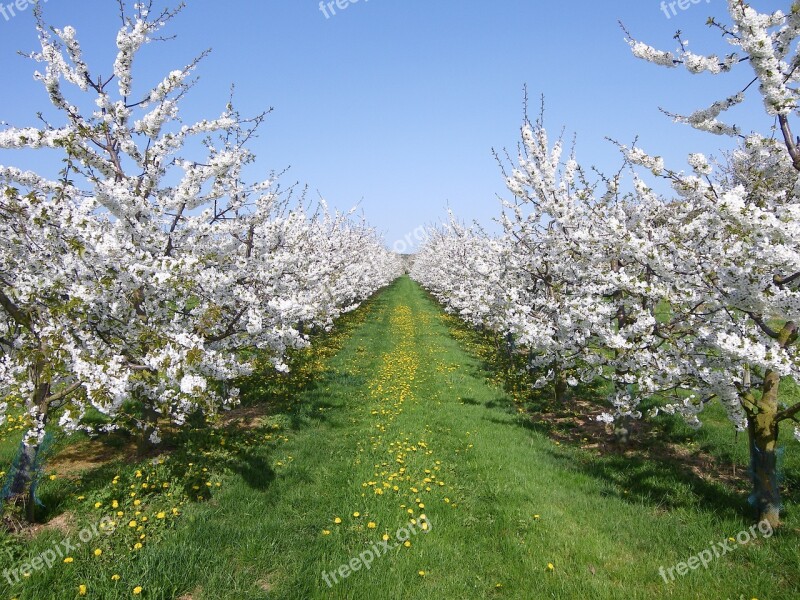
(690, 296)
(139, 280)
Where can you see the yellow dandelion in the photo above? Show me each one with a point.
(337, 520)
(356, 514)
(115, 577)
(97, 551)
(137, 590)
(68, 560)
(81, 590)
(326, 532)
(421, 573)
(372, 525)
(550, 566)
(407, 544)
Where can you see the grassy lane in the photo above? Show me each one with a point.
(403, 455)
(412, 429)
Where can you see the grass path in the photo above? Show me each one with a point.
(402, 439)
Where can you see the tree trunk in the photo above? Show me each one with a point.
(148, 426)
(511, 346)
(762, 430)
(22, 485)
(560, 385)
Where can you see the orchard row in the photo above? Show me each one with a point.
(147, 275)
(683, 296)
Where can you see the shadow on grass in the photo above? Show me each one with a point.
(663, 471)
(270, 407)
(663, 484)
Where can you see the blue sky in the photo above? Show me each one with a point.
(396, 105)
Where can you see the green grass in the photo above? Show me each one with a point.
(393, 398)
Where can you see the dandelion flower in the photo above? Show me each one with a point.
(97, 551)
(68, 560)
(137, 590)
(81, 590)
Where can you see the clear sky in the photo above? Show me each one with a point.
(396, 105)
